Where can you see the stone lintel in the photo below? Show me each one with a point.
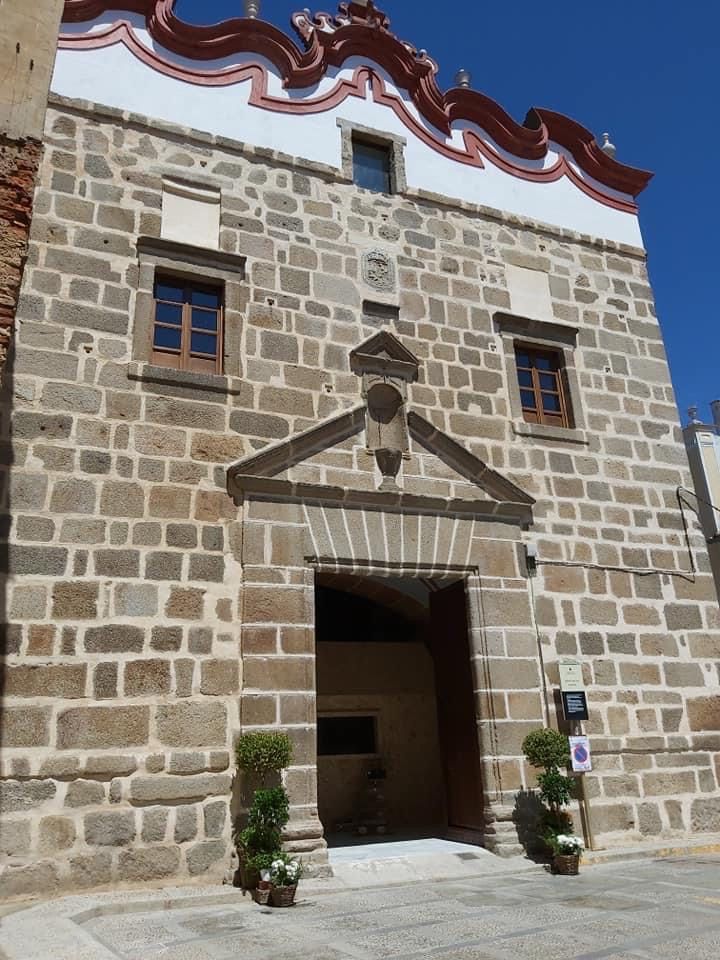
(541, 330)
(503, 511)
(187, 253)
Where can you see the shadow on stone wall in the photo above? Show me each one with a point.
(527, 817)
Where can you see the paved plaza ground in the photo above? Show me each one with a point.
(646, 909)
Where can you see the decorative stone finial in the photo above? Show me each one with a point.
(609, 148)
(463, 78)
(388, 461)
(693, 414)
(252, 8)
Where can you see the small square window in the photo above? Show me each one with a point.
(187, 329)
(371, 166)
(543, 393)
(346, 736)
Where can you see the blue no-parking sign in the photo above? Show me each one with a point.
(580, 754)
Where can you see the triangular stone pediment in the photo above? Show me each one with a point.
(384, 354)
(466, 464)
(279, 457)
(280, 471)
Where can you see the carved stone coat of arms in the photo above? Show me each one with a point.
(378, 270)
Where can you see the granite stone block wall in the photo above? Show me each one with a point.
(150, 616)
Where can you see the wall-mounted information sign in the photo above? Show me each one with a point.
(571, 677)
(575, 704)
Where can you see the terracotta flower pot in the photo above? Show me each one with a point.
(261, 893)
(283, 896)
(567, 864)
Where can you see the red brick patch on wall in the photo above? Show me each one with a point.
(19, 161)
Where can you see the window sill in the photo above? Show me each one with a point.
(216, 383)
(545, 432)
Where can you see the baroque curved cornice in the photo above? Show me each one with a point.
(360, 30)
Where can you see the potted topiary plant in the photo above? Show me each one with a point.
(567, 850)
(260, 839)
(262, 754)
(549, 751)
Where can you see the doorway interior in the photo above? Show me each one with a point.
(398, 754)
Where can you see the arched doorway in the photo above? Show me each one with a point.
(397, 739)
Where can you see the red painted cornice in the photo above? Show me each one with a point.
(361, 30)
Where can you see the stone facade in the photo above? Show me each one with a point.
(152, 615)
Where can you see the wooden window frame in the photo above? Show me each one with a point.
(351, 133)
(184, 360)
(381, 148)
(538, 414)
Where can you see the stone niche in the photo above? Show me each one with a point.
(386, 368)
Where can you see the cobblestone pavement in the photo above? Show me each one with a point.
(649, 910)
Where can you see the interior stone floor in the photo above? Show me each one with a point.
(647, 910)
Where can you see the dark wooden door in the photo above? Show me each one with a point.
(456, 711)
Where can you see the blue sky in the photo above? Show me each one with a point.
(648, 71)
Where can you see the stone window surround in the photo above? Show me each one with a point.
(396, 144)
(514, 330)
(194, 264)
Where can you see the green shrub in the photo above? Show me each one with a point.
(268, 814)
(556, 790)
(550, 751)
(262, 861)
(263, 752)
(553, 822)
(546, 748)
(255, 840)
(270, 809)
